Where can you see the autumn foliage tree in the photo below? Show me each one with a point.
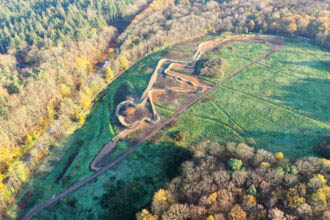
(109, 74)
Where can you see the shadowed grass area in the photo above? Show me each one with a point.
(309, 96)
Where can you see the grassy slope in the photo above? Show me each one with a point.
(280, 104)
(270, 105)
(132, 182)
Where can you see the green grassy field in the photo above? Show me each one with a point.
(280, 104)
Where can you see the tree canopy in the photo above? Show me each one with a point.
(46, 23)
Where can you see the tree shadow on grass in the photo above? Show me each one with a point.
(294, 145)
(125, 189)
(125, 198)
(320, 65)
(309, 96)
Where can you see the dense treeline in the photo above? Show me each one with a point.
(44, 92)
(44, 23)
(55, 101)
(291, 18)
(236, 182)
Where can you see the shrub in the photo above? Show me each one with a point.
(235, 164)
(160, 202)
(275, 214)
(178, 136)
(304, 211)
(214, 68)
(308, 165)
(4, 111)
(145, 215)
(210, 217)
(319, 196)
(294, 200)
(108, 74)
(221, 177)
(177, 212)
(279, 155)
(314, 183)
(243, 152)
(263, 155)
(212, 198)
(160, 195)
(249, 202)
(65, 90)
(252, 190)
(265, 164)
(124, 62)
(239, 177)
(237, 213)
(13, 88)
(3, 167)
(321, 178)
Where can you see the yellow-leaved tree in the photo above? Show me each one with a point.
(124, 62)
(108, 74)
(83, 65)
(9, 153)
(65, 90)
(85, 98)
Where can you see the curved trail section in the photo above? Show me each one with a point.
(187, 84)
(156, 128)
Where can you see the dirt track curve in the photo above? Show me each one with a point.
(191, 85)
(108, 147)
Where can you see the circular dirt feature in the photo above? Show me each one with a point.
(131, 113)
(323, 147)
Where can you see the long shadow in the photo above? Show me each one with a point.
(305, 142)
(320, 65)
(124, 199)
(126, 189)
(309, 96)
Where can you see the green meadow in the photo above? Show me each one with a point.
(280, 104)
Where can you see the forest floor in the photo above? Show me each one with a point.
(270, 105)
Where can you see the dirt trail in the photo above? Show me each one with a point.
(155, 129)
(187, 84)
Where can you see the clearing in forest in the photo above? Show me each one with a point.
(279, 103)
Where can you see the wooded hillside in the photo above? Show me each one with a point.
(45, 24)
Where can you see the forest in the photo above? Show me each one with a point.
(49, 85)
(51, 51)
(235, 182)
(45, 24)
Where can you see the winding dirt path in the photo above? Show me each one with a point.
(155, 129)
